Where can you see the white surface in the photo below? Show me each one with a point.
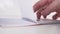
(14, 22)
(12, 9)
(43, 29)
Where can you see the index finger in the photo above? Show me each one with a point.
(39, 4)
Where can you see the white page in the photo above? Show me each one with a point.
(14, 22)
(10, 14)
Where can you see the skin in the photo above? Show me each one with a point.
(45, 7)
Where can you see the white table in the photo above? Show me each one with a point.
(42, 29)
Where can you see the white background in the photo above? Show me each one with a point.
(9, 9)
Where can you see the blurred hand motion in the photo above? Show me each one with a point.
(45, 7)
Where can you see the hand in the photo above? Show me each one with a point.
(45, 7)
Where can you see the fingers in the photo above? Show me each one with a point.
(39, 12)
(49, 9)
(39, 4)
(56, 16)
(38, 16)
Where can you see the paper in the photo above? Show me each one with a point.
(14, 10)
(14, 22)
(43, 21)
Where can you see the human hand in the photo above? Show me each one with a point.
(45, 7)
